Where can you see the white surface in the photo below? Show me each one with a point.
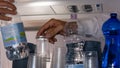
(53, 7)
(31, 10)
(31, 38)
(108, 6)
(111, 5)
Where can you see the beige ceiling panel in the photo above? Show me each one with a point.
(60, 9)
(33, 10)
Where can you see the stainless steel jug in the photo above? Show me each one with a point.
(35, 61)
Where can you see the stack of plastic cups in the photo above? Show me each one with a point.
(92, 54)
(42, 55)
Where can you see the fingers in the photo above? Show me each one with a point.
(1, 0)
(52, 40)
(62, 33)
(7, 11)
(3, 17)
(11, 1)
(5, 4)
(7, 8)
(46, 26)
(8, 0)
(53, 31)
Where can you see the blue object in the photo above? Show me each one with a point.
(111, 53)
(13, 34)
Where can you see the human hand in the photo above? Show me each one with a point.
(6, 7)
(52, 28)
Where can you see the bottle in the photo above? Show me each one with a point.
(14, 38)
(111, 52)
(74, 44)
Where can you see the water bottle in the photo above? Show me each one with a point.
(111, 53)
(14, 38)
(74, 44)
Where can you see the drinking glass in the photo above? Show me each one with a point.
(41, 56)
(90, 59)
(43, 49)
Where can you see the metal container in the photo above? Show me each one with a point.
(41, 56)
(35, 61)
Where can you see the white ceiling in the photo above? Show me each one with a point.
(35, 11)
(48, 7)
(57, 7)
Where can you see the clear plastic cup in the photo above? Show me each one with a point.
(43, 49)
(90, 59)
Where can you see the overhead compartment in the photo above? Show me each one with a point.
(35, 11)
(47, 7)
(32, 10)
